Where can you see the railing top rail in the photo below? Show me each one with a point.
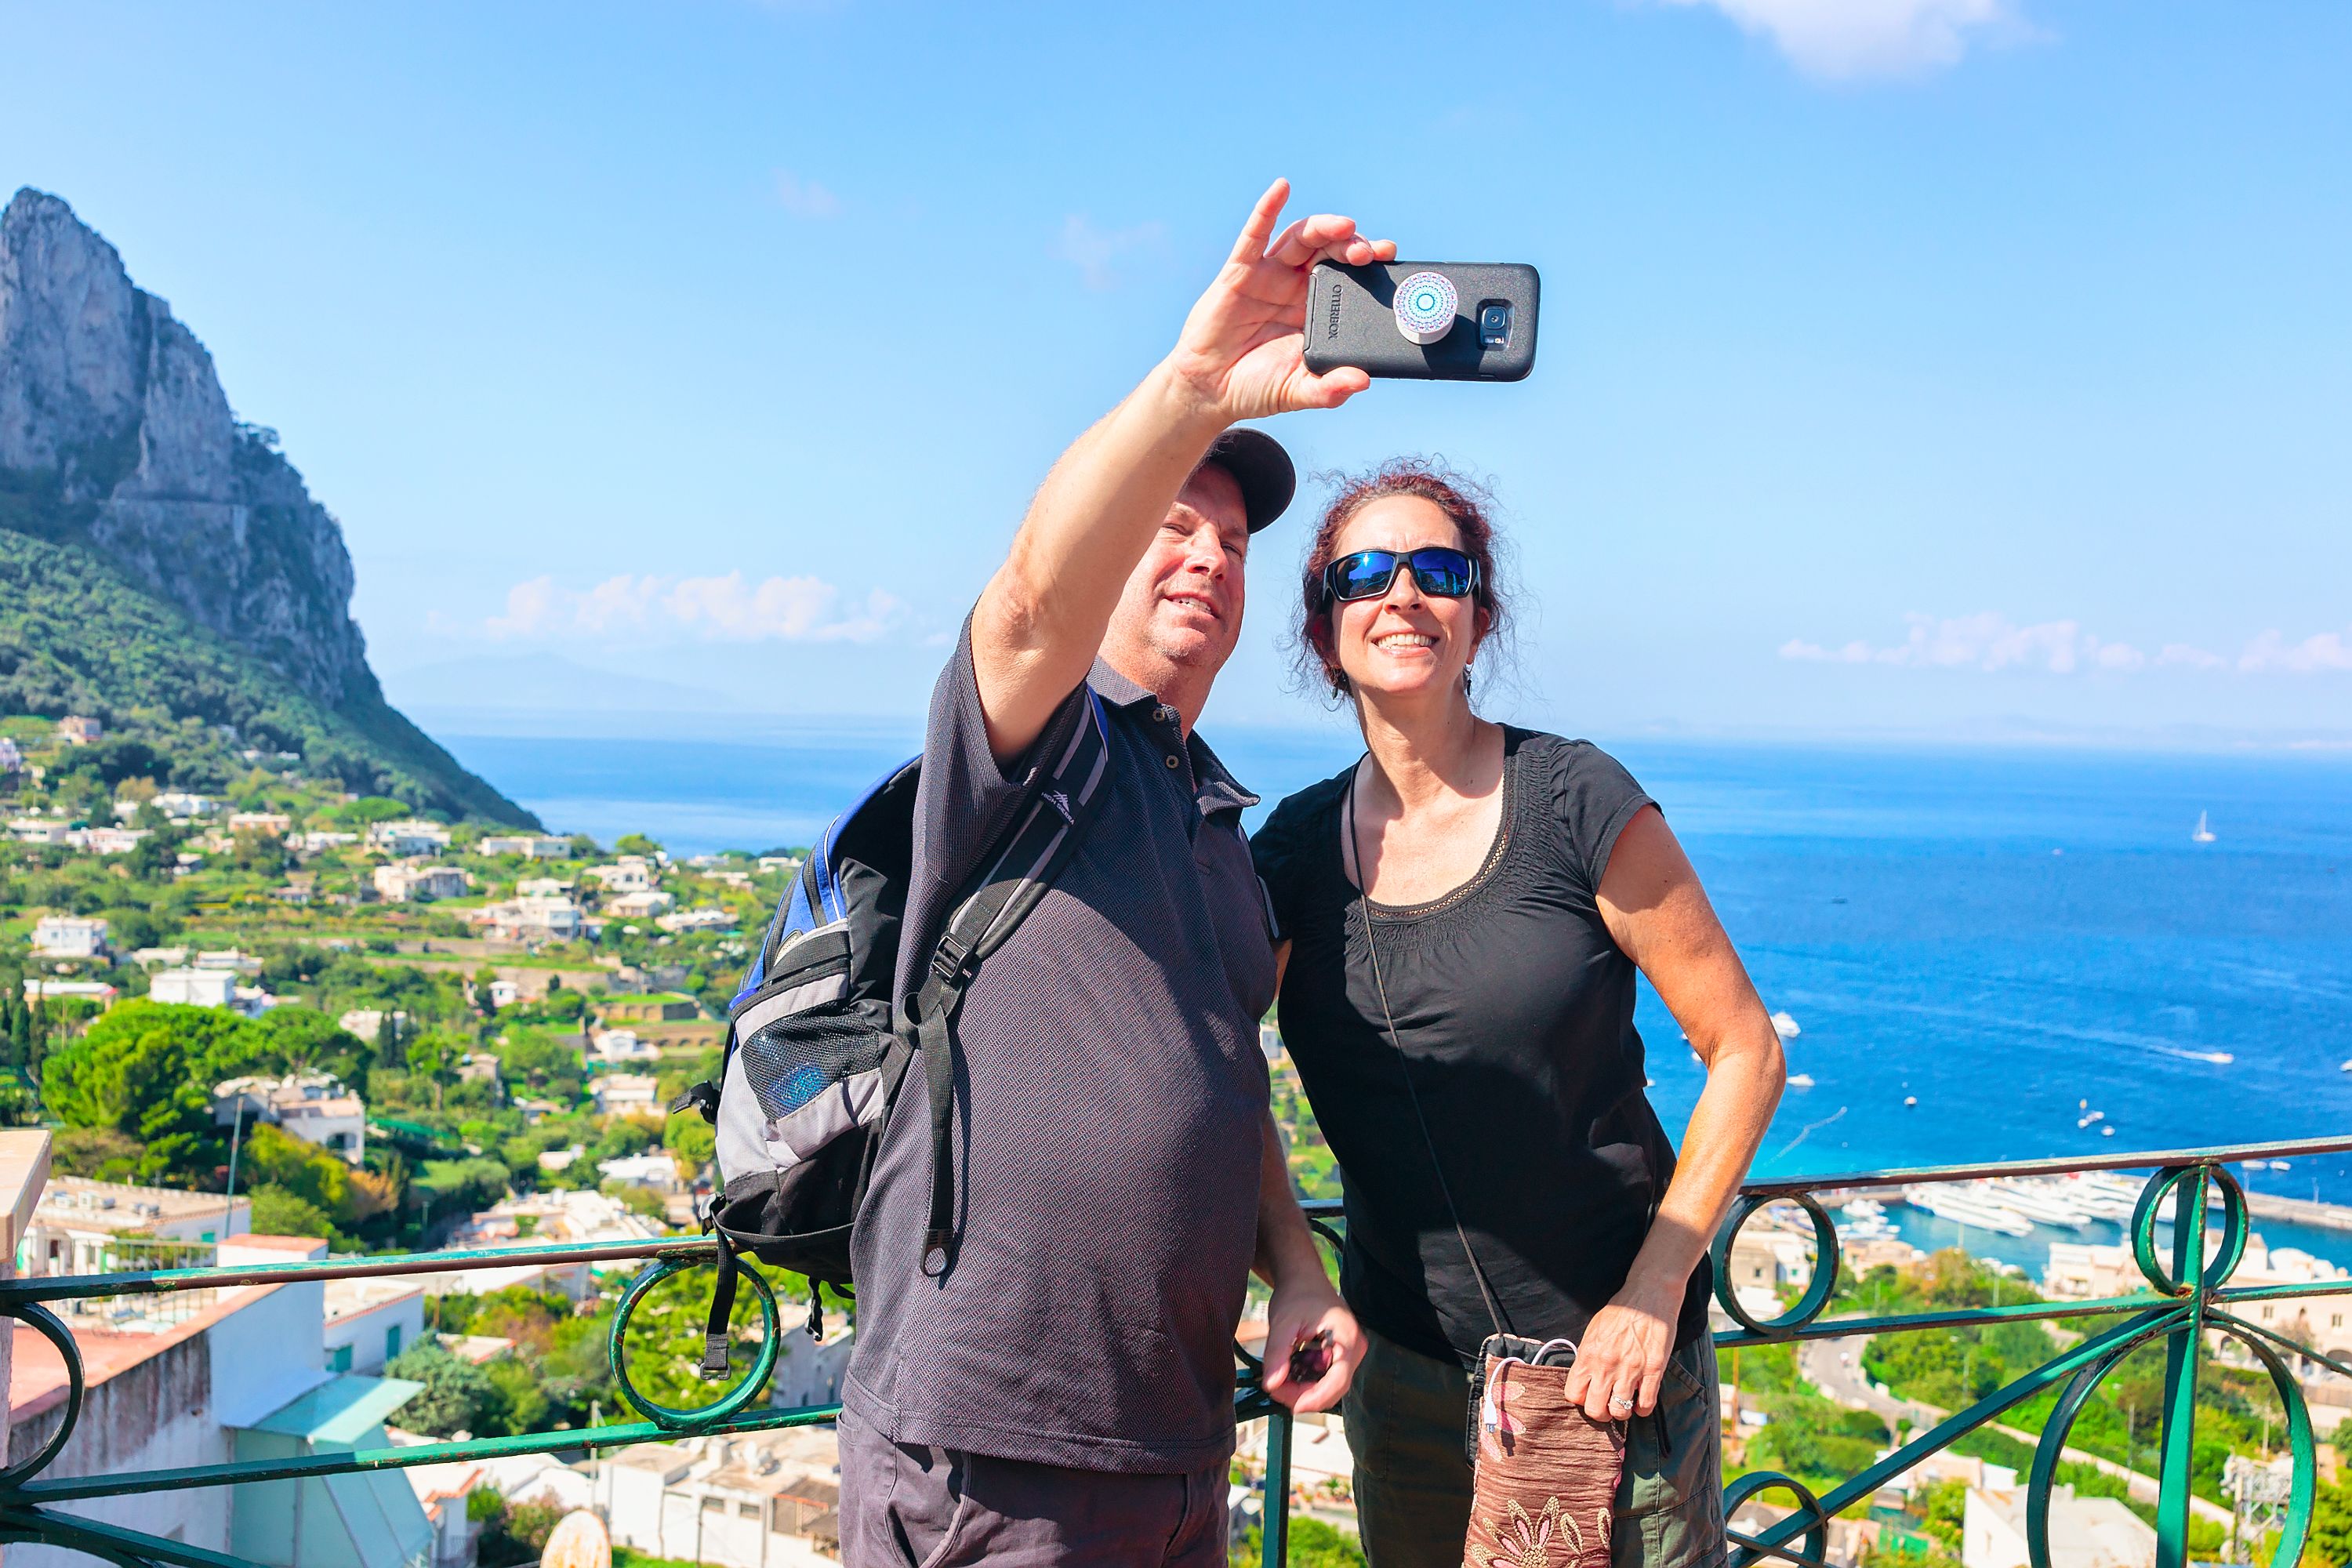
(2052, 1165)
(157, 1281)
(2055, 1164)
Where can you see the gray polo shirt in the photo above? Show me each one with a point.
(1108, 1093)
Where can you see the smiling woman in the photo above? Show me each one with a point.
(1460, 918)
(1460, 522)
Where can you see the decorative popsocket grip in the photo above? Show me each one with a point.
(1424, 307)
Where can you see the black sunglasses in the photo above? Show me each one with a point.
(1440, 572)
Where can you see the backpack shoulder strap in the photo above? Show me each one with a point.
(1063, 794)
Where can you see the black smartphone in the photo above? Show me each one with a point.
(1428, 320)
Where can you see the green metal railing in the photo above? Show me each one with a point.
(2188, 1297)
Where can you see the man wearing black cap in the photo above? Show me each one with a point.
(1062, 1391)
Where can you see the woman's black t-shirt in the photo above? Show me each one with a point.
(1517, 1010)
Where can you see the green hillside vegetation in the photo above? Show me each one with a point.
(184, 708)
(128, 1087)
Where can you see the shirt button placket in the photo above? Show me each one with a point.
(1164, 715)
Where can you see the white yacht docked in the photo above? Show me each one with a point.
(2038, 1199)
(1865, 1220)
(2103, 1194)
(1962, 1205)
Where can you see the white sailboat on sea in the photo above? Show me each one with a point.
(2203, 835)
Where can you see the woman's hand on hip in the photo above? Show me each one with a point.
(1621, 1363)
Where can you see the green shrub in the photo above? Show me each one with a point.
(455, 1395)
(277, 1212)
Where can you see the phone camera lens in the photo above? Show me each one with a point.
(1493, 325)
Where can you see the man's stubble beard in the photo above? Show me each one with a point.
(1196, 653)
(1172, 652)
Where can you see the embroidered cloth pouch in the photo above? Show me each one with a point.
(1546, 1473)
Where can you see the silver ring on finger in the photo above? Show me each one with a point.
(1621, 1403)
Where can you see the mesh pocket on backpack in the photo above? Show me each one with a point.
(794, 1060)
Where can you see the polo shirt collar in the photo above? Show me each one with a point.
(1116, 689)
(1218, 789)
(1214, 786)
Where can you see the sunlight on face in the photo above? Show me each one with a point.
(1182, 607)
(1404, 642)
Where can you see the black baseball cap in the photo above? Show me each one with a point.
(1262, 469)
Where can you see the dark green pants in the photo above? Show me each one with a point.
(1405, 1414)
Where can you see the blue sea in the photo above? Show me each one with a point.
(2011, 937)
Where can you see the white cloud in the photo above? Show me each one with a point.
(2324, 651)
(1987, 641)
(805, 198)
(2118, 656)
(637, 609)
(1992, 641)
(1843, 39)
(1095, 251)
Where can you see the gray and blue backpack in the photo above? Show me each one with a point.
(819, 1043)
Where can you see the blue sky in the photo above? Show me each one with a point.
(1938, 367)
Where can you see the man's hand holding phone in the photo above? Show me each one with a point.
(1040, 623)
(1241, 353)
(1313, 1344)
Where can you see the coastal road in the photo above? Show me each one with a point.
(1834, 1366)
(1824, 1364)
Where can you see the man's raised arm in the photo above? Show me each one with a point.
(1037, 626)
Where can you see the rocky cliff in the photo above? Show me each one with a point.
(113, 402)
(117, 440)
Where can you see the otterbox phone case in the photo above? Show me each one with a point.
(1352, 319)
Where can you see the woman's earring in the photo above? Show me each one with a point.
(1465, 680)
